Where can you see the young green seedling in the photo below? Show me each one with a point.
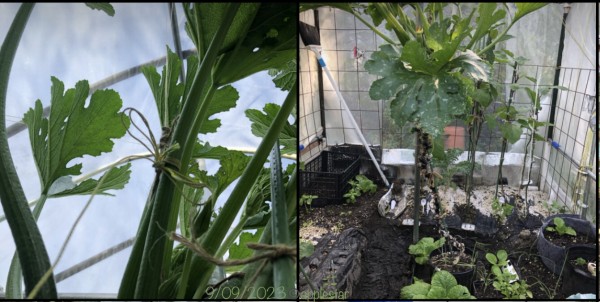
(561, 227)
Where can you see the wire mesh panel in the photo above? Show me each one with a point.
(570, 162)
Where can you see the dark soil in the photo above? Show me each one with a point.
(567, 240)
(387, 266)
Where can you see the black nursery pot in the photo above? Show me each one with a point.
(463, 278)
(553, 256)
(423, 271)
(574, 280)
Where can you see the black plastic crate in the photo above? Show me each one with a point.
(327, 176)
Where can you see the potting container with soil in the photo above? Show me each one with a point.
(551, 246)
(579, 274)
(460, 265)
(327, 177)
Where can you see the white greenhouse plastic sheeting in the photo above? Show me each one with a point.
(73, 42)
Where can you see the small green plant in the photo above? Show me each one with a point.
(580, 261)
(360, 185)
(306, 200)
(448, 167)
(422, 249)
(501, 209)
(561, 227)
(365, 185)
(505, 281)
(352, 195)
(443, 286)
(555, 207)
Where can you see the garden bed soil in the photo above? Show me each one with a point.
(567, 240)
(387, 266)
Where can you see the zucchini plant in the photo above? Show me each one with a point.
(233, 41)
(436, 68)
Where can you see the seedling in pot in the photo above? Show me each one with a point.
(422, 249)
(561, 227)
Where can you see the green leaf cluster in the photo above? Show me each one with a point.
(306, 200)
(443, 286)
(518, 290)
(361, 184)
(423, 248)
(501, 209)
(561, 227)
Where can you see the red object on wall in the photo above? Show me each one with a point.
(454, 137)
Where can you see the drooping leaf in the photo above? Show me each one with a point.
(285, 77)
(262, 121)
(116, 179)
(166, 86)
(73, 129)
(103, 6)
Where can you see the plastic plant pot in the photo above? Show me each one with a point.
(553, 256)
(576, 280)
(464, 278)
(423, 271)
